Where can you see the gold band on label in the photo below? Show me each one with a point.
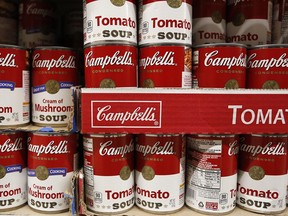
(118, 3)
(52, 86)
(174, 3)
(107, 83)
(238, 19)
(216, 16)
(232, 84)
(125, 172)
(42, 173)
(2, 171)
(148, 173)
(256, 172)
(270, 84)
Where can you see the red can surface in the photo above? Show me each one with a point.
(219, 66)
(267, 67)
(37, 19)
(14, 86)
(165, 66)
(54, 72)
(212, 173)
(52, 159)
(262, 173)
(110, 66)
(109, 172)
(209, 21)
(13, 169)
(160, 159)
(249, 22)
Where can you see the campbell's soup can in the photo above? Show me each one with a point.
(8, 22)
(110, 66)
(165, 22)
(209, 21)
(249, 22)
(211, 178)
(219, 65)
(262, 173)
(280, 22)
(52, 160)
(37, 23)
(165, 66)
(13, 169)
(110, 21)
(109, 172)
(14, 86)
(160, 172)
(267, 67)
(54, 72)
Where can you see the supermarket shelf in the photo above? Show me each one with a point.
(26, 211)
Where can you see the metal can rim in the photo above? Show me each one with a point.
(220, 45)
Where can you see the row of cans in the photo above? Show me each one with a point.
(185, 23)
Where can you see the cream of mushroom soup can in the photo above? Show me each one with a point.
(262, 173)
(249, 22)
(13, 169)
(14, 86)
(110, 21)
(109, 172)
(54, 72)
(160, 172)
(212, 173)
(165, 22)
(209, 21)
(52, 160)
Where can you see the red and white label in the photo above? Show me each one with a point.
(212, 172)
(52, 159)
(209, 22)
(13, 163)
(109, 172)
(220, 66)
(267, 67)
(111, 66)
(54, 72)
(263, 161)
(14, 86)
(165, 66)
(160, 158)
(110, 21)
(249, 23)
(164, 23)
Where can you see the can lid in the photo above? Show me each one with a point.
(52, 48)
(268, 46)
(220, 45)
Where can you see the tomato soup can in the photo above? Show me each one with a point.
(54, 72)
(267, 67)
(209, 22)
(160, 158)
(262, 173)
(109, 172)
(211, 178)
(165, 66)
(165, 22)
(111, 66)
(249, 22)
(219, 65)
(52, 160)
(110, 21)
(37, 23)
(14, 86)
(13, 169)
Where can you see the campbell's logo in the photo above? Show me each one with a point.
(268, 149)
(63, 61)
(233, 148)
(8, 60)
(116, 58)
(113, 114)
(10, 146)
(167, 59)
(32, 9)
(51, 148)
(213, 59)
(157, 148)
(278, 62)
(107, 149)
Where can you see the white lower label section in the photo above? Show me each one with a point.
(48, 195)
(53, 109)
(207, 191)
(262, 196)
(164, 193)
(108, 194)
(186, 79)
(13, 190)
